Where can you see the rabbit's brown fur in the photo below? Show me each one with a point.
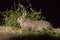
(37, 25)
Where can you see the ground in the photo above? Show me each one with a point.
(7, 32)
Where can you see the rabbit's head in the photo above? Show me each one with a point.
(21, 19)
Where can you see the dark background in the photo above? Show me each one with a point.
(50, 9)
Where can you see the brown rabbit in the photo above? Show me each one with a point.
(34, 25)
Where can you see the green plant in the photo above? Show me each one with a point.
(10, 18)
(34, 15)
(57, 35)
(12, 15)
(32, 32)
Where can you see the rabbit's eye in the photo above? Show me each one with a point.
(19, 18)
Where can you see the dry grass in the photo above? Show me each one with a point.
(56, 30)
(7, 32)
(9, 29)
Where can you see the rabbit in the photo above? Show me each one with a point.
(32, 24)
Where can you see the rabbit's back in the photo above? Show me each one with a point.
(35, 24)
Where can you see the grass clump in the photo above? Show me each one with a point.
(10, 18)
(12, 15)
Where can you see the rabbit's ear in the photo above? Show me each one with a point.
(24, 14)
